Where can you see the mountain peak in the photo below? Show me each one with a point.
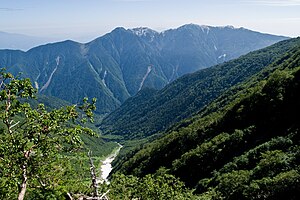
(230, 27)
(121, 63)
(143, 31)
(206, 27)
(118, 30)
(189, 26)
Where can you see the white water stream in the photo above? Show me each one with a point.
(106, 166)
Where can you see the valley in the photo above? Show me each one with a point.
(195, 112)
(235, 146)
(106, 166)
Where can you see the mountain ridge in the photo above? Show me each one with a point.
(186, 95)
(117, 65)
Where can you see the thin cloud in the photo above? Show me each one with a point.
(275, 2)
(10, 9)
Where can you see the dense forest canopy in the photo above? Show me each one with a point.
(244, 145)
(241, 144)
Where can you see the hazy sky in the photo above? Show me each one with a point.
(86, 19)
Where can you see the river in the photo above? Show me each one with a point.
(106, 166)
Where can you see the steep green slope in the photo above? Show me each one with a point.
(247, 149)
(140, 117)
(119, 64)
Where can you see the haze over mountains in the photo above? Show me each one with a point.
(20, 41)
(116, 66)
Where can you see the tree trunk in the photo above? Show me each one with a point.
(24, 185)
(93, 175)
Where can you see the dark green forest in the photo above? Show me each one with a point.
(227, 132)
(152, 111)
(243, 145)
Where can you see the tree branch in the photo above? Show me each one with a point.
(93, 175)
(24, 183)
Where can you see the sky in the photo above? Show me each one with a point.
(84, 20)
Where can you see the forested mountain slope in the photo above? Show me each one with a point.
(152, 111)
(117, 65)
(247, 147)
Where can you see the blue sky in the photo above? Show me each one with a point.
(86, 19)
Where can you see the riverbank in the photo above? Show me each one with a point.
(106, 166)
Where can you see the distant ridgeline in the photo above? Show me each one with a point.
(116, 66)
(243, 139)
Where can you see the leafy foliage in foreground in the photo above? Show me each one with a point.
(37, 157)
(245, 145)
(98, 145)
(160, 185)
(32, 141)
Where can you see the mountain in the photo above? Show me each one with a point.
(151, 111)
(244, 145)
(19, 41)
(116, 66)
